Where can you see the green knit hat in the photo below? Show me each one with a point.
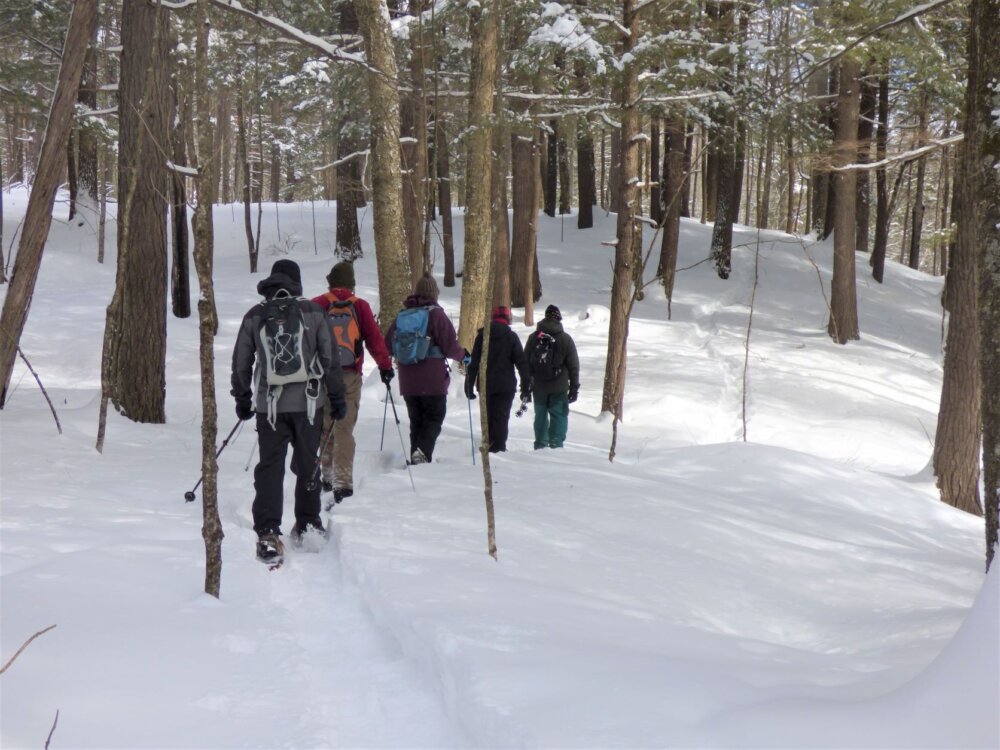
(341, 276)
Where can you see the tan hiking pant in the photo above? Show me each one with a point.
(338, 455)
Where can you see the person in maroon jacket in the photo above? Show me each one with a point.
(352, 324)
(424, 384)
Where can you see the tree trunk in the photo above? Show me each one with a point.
(843, 325)
(917, 216)
(243, 157)
(524, 201)
(441, 155)
(38, 216)
(550, 185)
(881, 186)
(135, 339)
(673, 186)
(655, 198)
(565, 183)
(866, 126)
(392, 259)
(484, 30)
(984, 67)
(180, 292)
(585, 175)
(615, 172)
(350, 195)
(208, 324)
(500, 268)
(628, 233)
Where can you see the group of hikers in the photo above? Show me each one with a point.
(295, 356)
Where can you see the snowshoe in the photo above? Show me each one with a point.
(270, 550)
(310, 538)
(338, 497)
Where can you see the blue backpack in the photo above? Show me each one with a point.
(410, 342)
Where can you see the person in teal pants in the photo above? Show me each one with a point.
(555, 378)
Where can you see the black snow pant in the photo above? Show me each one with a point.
(426, 417)
(269, 476)
(498, 416)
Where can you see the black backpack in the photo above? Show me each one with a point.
(281, 334)
(546, 359)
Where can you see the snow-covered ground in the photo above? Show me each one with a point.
(805, 588)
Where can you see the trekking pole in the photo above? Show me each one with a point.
(250, 457)
(311, 484)
(385, 413)
(472, 439)
(189, 496)
(395, 416)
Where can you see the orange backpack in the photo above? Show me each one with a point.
(345, 328)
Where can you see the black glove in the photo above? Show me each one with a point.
(387, 375)
(573, 393)
(244, 408)
(470, 389)
(526, 397)
(338, 408)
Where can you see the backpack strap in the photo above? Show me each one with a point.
(434, 352)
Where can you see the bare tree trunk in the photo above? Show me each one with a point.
(524, 202)
(208, 324)
(180, 292)
(984, 65)
(135, 339)
(244, 160)
(350, 195)
(550, 185)
(223, 137)
(655, 199)
(387, 205)
(627, 259)
(917, 216)
(484, 31)
(585, 175)
(882, 214)
(843, 325)
(500, 268)
(565, 183)
(38, 216)
(866, 126)
(441, 155)
(673, 186)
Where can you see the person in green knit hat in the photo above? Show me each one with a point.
(555, 378)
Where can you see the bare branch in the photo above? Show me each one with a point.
(24, 646)
(905, 156)
(42, 387)
(52, 731)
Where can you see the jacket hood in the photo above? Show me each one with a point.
(268, 287)
(498, 329)
(550, 326)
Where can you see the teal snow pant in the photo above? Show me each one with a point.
(551, 419)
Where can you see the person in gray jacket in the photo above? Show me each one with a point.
(286, 413)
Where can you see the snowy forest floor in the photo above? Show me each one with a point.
(799, 589)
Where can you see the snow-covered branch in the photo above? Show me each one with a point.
(905, 156)
(344, 160)
(908, 15)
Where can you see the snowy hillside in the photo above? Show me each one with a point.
(805, 588)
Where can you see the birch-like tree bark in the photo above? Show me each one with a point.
(387, 204)
(208, 322)
(38, 215)
(484, 31)
(627, 249)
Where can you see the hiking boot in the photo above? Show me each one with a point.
(270, 548)
(340, 493)
(418, 457)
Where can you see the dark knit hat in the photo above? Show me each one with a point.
(289, 268)
(426, 287)
(501, 314)
(553, 312)
(341, 276)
